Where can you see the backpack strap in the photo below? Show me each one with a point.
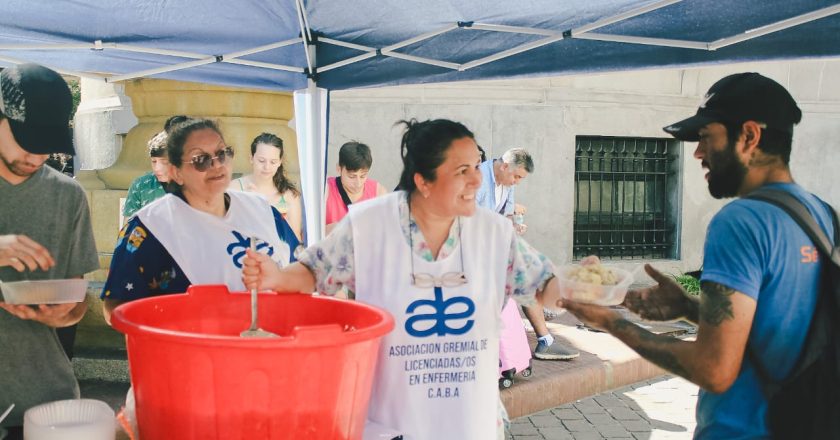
(800, 214)
(790, 204)
(344, 197)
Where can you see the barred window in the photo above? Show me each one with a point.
(626, 197)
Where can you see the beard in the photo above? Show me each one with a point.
(726, 173)
(19, 167)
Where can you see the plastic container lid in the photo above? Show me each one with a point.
(44, 291)
(74, 419)
(601, 294)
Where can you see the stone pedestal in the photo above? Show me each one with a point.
(242, 114)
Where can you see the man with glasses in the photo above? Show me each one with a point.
(45, 233)
(499, 179)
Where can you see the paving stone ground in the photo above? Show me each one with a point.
(657, 409)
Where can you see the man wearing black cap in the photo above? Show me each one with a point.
(760, 270)
(45, 233)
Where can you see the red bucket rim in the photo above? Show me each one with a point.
(131, 328)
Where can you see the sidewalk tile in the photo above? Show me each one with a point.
(568, 414)
(578, 425)
(544, 421)
(556, 434)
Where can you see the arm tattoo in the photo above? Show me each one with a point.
(715, 303)
(653, 347)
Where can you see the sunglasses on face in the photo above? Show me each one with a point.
(203, 162)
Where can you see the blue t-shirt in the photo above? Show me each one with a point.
(757, 249)
(142, 267)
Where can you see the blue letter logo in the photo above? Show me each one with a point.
(439, 316)
(237, 248)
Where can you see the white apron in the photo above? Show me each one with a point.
(437, 372)
(210, 249)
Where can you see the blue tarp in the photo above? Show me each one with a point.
(216, 27)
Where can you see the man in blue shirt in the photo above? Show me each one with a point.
(499, 178)
(761, 273)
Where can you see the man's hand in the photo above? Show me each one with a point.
(599, 317)
(21, 253)
(665, 301)
(58, 315)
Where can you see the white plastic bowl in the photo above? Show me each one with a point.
(605, 295)
(44, 291)
(75, 419)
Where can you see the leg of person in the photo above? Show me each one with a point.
(67, 337)
(547, 347)
(14, 433)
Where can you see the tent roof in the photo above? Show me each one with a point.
(257, 43)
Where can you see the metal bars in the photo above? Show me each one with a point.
(622, 188)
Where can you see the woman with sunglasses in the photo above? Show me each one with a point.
(199, 233)
(443, 268)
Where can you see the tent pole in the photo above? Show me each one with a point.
(775, 27)
(311, 121)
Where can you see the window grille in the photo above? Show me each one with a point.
(626, 201)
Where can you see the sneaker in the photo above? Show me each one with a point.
(554, 352)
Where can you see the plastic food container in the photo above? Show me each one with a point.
(74, 419)
(605, 295)
(44, 291)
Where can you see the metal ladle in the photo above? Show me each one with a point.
(254, 331)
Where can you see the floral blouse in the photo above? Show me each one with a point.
(331, 260)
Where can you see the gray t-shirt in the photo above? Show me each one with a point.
(51, 209)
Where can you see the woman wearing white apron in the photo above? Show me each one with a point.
(199, 234)
(443, 268)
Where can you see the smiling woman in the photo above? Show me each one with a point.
(197, 234)
(443, 269)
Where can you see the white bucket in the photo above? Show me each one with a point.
(75, 419)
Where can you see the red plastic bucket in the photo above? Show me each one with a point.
(195, 378)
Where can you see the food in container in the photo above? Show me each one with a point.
(594, 283)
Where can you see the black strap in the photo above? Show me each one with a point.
(344, 197)
(800, 214)
(803, 218)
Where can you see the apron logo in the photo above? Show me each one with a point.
(237, 249)
(439, 316)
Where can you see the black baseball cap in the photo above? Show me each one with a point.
(37, 103)
(739, 98)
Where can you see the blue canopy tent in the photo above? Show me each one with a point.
(318, 45)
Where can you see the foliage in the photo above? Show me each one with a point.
(76, 92)
(689, 283)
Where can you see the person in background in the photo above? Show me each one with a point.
(197, 234)
(45, 233)
(352, 184)
(269, 179)
(150, 186)
(500, 177)
(443, 269)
